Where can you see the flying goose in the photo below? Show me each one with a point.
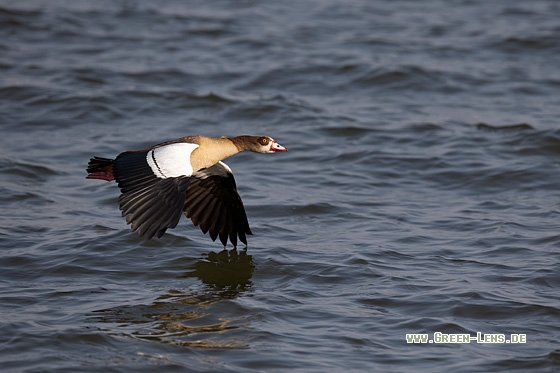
(185, 175)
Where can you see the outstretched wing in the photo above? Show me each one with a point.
(212, 202)
(155, 192)
(151, 204)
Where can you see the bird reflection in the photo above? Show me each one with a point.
(183, 317)
(229, 272)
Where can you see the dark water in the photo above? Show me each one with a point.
(420, 193)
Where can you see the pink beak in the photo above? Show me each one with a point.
(275, 147)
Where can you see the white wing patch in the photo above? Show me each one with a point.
(171, 160)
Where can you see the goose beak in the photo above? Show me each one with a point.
(275, 147)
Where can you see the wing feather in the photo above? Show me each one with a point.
(212, 202)
(150, 204)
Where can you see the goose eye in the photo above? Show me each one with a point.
(263, 140)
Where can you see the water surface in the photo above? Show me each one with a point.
(419, 194)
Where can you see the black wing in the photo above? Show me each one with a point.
(213, 204)
(150, 204)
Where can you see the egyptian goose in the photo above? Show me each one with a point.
(185, 175)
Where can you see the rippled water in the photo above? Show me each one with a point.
(419, 194)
